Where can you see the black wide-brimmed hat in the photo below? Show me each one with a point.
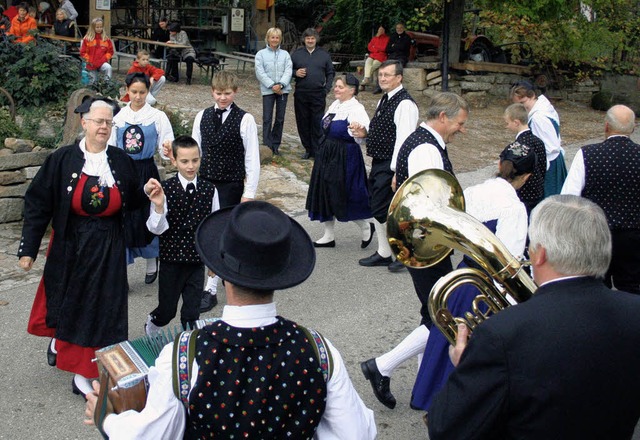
(256, 245)
(85, 106)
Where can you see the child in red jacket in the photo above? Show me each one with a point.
(97, 50)
(155, 74)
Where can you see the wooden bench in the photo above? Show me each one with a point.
(244, 58)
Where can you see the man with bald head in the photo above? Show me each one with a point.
(609, 174)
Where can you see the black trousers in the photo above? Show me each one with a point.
(624, 270)
(423, 281)
(175, 280)
(380, 192)
(309, 108)
(229, 192)
(272, 134)
(172, 67)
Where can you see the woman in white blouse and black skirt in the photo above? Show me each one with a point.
(338, 187)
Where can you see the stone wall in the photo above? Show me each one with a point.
(19, 163)
(478, 89)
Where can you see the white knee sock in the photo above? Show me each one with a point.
(364, 228)
(329, 235)
(212, 285)
(151, 265)
(410, 346)
(83, 383)
(383, 244)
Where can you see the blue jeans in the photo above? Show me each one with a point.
(272, 135)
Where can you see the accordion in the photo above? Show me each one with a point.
(124, 367)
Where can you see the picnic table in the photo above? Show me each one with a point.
(135, 43)
(240, 57)
(66, 41)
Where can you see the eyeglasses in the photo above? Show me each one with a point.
(387, 75)
(100, 122)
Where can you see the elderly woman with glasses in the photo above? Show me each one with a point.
(83, 190)
(338, 187)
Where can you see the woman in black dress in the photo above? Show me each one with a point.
(338, 186)
(82, 190)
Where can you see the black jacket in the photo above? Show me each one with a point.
(319, 67)
(563, 365)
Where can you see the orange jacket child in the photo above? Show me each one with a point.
(150, 70)
(21, 28)
(96, 52)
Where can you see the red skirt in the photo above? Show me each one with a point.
(71, 357)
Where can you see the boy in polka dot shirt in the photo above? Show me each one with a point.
(176, 211)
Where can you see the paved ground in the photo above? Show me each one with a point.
(362, 311)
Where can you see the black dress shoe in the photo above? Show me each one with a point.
(76, 390)
(396, 266)
(51, 356)
(379, 383)
(307, 155)
(208, 301)
(365, 243)
(375, 260)
(275, 150)
(331, 243)
(151, 277)
(188, 81)
(377, 91)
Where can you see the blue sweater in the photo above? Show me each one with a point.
(273, 67)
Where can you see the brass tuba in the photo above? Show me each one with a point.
(426, 222)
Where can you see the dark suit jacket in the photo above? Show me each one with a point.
(563, 365)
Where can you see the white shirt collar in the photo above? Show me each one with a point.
(184, 182)
(435, 134)
(523, 131)
(258, 315)
(561, 279)
(394, 91)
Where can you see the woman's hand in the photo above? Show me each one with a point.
(25, 263)
(167, 151)
(357, 130)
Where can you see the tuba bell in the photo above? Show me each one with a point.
(426, 222)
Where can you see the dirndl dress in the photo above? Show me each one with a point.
(436, 366)
(338, 187)
(139, 141)
(83, 302)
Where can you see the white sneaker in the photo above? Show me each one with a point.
(151, 100)
(150, 328)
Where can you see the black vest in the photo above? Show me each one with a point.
(532, 192)
(223, 149)
(177, 244)
(612, 180)
(257, 383)
(418, 137)
(382, 130)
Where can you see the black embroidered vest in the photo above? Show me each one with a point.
(532, 192)
(177, 244)
(612, 180)
(222, 150)
(257, 383)
(382, 130)
(418, 137)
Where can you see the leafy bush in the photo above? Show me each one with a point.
(180, 124)
(36, 74)
(8, 128)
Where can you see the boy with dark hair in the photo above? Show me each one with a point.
(176, 212)
(228, 137)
